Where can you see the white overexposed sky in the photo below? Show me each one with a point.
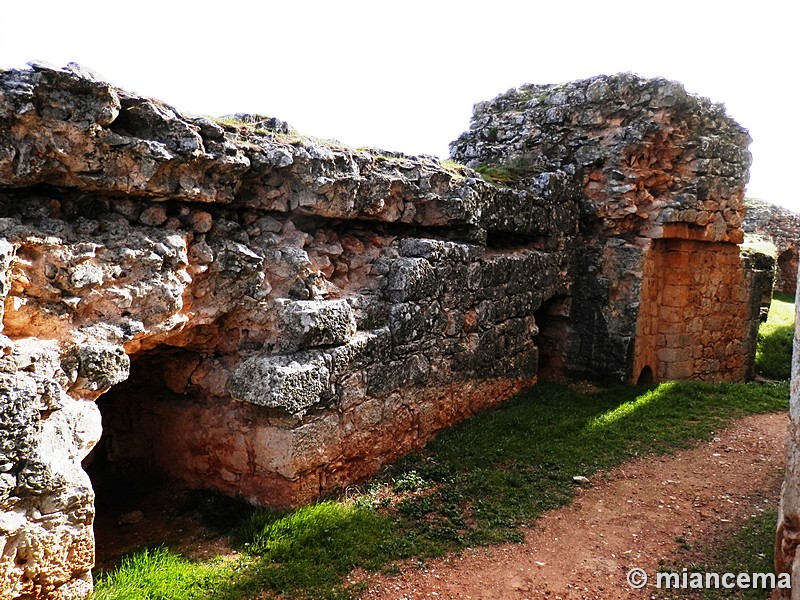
(404, 75)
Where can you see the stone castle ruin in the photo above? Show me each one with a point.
(238, 308)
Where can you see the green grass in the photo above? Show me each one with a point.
(775, 337)
(494, 174)
(307, 552)
(478, 483)
(510, 171)
(503, 468)
(747, 550)
(158, 574)
(456, 169)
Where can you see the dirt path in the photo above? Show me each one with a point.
(632, 517)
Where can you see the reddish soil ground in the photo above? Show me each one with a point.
(642, 514)
(635, 516)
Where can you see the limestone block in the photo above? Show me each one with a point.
(411, 279)
(291, 452)
(312, 323)
(406, 322)
(48, 540)
(293, 382)
(99, 367)
(6, 254)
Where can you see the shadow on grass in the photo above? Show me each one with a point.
(774, 355)
(775, 338)
(308, 551)
(475, 484)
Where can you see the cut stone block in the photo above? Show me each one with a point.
(313, 323)
(295, 382)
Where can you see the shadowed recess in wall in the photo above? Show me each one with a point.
(298, 313)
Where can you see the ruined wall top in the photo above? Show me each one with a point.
(649, 158)
(327, 308)
(780, 225)
(652, 159)
(68, 129)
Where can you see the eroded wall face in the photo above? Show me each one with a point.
(46, 499)
(696, 313)
(604, 307)
(781, 227)
(282, 463)
(786, 271)
(461, 340)
(787, 538)
(653, 163)
(298, 313)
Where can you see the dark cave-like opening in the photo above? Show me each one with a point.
(137, 501)
(645, 376)
(553, 322)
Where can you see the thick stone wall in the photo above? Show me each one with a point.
(651, 159)
(787, 538)
(781, 227)
(275, 317)
(459, 341)
(698, 312)
(653, 163)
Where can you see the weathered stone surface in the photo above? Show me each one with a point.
(645, 152)
(100, 367)
(787, 538)
(648, 161)
(96, 138)
(46, 497)
(275, 317)
(290, 382)
(311, 323)
(781, 227)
